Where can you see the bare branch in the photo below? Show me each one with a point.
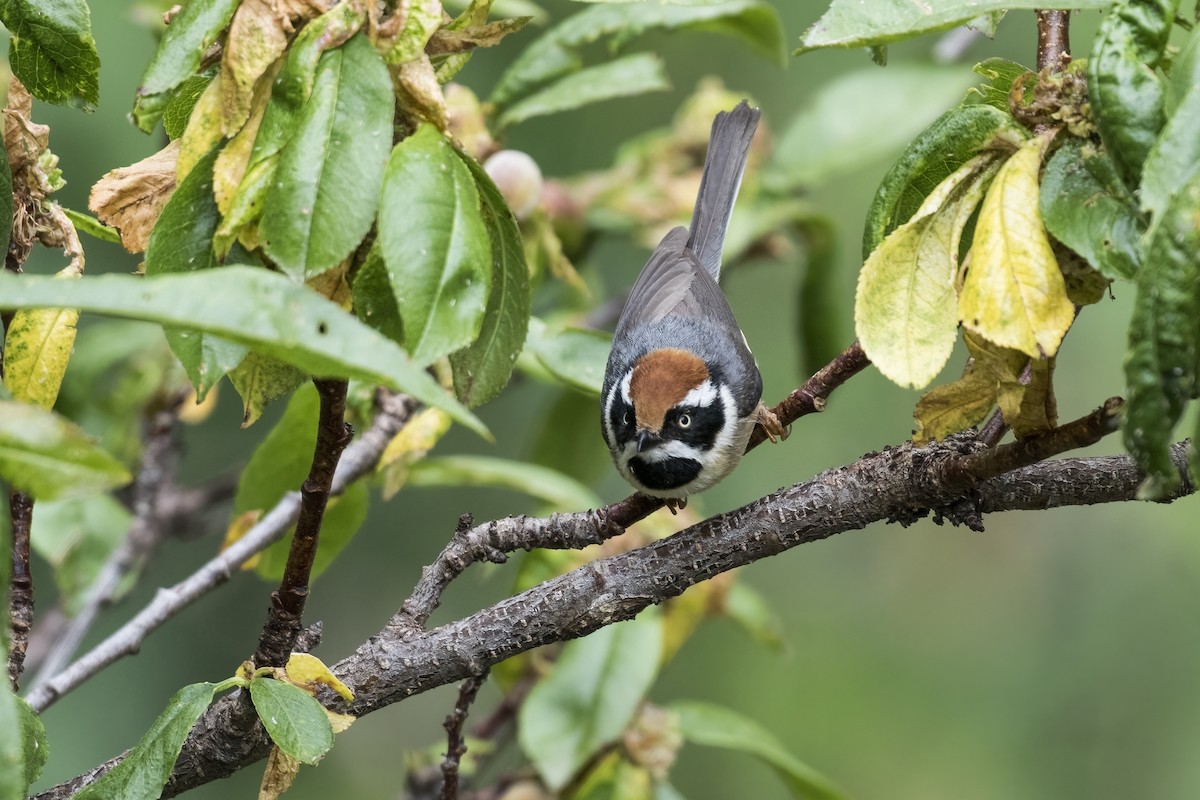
(359, 458)
(898, 483)
(287, 602)
(493, 540)
(160, 458)
(20, 590)
(1054, 40)
(456, 746)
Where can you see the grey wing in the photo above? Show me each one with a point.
(661, 285)
(675, 282)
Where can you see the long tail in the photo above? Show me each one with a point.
(723, 165)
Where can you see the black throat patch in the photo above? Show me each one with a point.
(670, 473)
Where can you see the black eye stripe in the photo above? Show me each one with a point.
(707, 422)
(621, 418)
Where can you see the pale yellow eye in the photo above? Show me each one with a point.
(685, 420)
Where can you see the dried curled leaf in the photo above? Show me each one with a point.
(131, 198)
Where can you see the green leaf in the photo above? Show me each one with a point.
(179, 110)
(289, 93)
(483, 368)
(145, 769)
(14, 771)
(1086, 207)
(76, 537)
(854, 23)
(254, 307)
(590, 698)
(1184, 74)
(35, 746)
(435, 245)
(949, 142)
(374, 300)
(558, 490)
(1126, 93)
(52, 51)
(1164, 339)
(295, 721)
(186, 39)
(1173, 157)
(624, 77)
(861, 116)
(182, 242)
(280, 465)
(751, 612)
(556, 52)
(714, 726)
(260, 380)
(325, 191)
(86, 223)
(574, 356)
(1014, 294)
(999, 76)
(906, 306)
(45, 455)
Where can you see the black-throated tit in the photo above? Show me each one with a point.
(682, 391)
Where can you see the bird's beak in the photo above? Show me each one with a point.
(647, 439)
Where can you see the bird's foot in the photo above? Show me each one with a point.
(771, 425)
(674, 504)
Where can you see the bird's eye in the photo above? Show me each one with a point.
(684, 421)
(625, 418)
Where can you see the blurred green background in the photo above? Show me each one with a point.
(1054, 656)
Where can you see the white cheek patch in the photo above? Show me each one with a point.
(701, 397)
(609, 432)
(625, 387)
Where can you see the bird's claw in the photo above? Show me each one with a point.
(771, 425)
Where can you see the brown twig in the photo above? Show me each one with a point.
(160, 459)
(492, 541)
(359, 459)
(456, 745)
(287, 602)
(20, 590)
(1053, 40)
(392, 665)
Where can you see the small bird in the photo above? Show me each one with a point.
(682, 391)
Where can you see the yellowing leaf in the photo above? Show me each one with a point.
(259, 379)
(238, 528)
(955, 406)
(256, 38)
(131, 198)
(307, 671)
(905, 309)
(203, 130)
(231, 163)
(1030, 408)
(413, 441)
(419, 93)
(338, 721)
(277, 778)
(36, 351)
(402, 38)
(1014, 293)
